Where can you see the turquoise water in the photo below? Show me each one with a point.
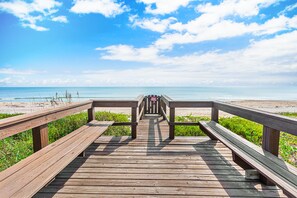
(32, 94)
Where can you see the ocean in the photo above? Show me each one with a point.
(36, 94)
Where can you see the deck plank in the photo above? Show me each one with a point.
(154, 166)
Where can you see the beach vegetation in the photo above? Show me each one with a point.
(18, 147)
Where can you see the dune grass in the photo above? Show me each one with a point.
(247, 129)
(18, 147)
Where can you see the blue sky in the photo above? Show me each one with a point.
(148, 43)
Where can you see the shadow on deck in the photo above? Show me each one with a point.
(154, 165)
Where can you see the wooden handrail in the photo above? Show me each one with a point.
(38, 121)
(18, 124)
(272, 123)
(190, 104)
(46, 112)
(166, 99)
(278, 122)
(115, 103)
(140, 99)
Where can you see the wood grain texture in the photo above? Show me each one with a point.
(269, 166)
(155, 166)
(40, 137)
(28, 176)
(215, 114)
(270, 140)
(278, 122)
(91, 114)
(171, 120)
(134, 120)
(17, 124)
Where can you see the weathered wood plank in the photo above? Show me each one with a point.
(172, 120)
(161, 190)
(230, 171)
(212, 165)
(163, 183)
(190, 104)
(278, 122)
(151, 176)
(134, 120)
(17, 124)
(270, 167)
(24, 183)
(91, 114)
(215, 114)
(270, 140)
(115, 103)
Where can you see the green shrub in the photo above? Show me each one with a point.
(19, 146)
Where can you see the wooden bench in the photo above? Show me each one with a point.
(252, 156)
(27, 177)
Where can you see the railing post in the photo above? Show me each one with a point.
(159, 104)
(91, 114)
(215, 114)
(270, 143)
(164, 107)
(270, 140)
(134, 120)
(142, 109)
(40, 137)
(171, 123)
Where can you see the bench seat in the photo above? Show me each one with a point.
(27, 177)
(271, 167)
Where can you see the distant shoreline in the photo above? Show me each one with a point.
(273, 106)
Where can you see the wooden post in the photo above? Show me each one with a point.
(171, 122)
(270, 143)
(240, 162)
(270, 140)
(164, 107)
(159, 105)
(40, 137)
(140, 109)
(215, 114)
(91, 114)
(134, 120)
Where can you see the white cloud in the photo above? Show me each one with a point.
(129, 53)
(163, 6)
(202, 29)
(153, 24)
(31, 13)
(215, 22)
(264, 61)
(10, 71)
(61, 19)
(108, 8)
(242, 8)
(288, 9)
(35, 27)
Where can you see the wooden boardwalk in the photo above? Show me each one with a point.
(153, 165)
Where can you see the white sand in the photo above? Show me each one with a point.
(272, 106)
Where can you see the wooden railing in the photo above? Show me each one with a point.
(272, 123)
(136, 106)
(38, 121)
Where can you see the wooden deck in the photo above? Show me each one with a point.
(153, 165)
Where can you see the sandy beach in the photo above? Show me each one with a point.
(273, 106)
